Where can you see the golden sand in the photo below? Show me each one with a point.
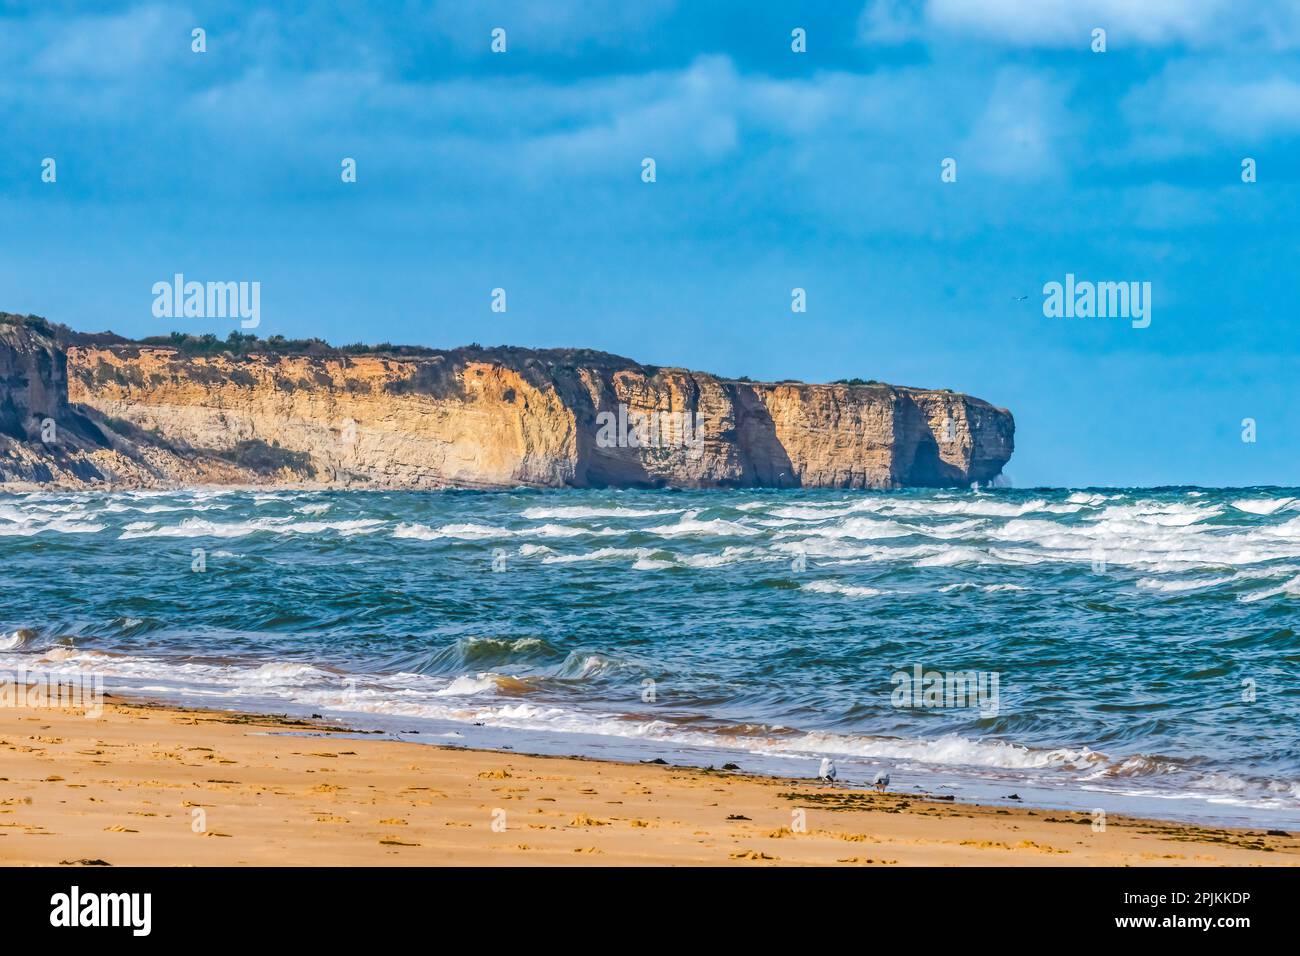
(145, 784)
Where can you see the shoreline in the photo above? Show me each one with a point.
(155, 784)
(943, 781)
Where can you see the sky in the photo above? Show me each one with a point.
(774, 170)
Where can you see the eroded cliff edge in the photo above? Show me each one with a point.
(134, 414)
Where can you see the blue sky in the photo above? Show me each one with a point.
(775, 170)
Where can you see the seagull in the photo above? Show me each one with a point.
(1020, 298)
(827, 773)
(881, 781)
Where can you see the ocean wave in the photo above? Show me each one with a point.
(697, 590)
(202, 528)
(467, 685)
(863, 529)
(479, 654)
(481, 697)
(1289, 589)
(691, 526)
(463, 531)
(847, 590)
(983, 507)
(1177, 585)
(576, 511)
(600, 554)
(29, 527)
(728, 555)
(481, 532)
(810, 512)
(286, 674)
(1169, 515)
(950, 557)
(16, 639)
(584, 665)
(1263, 506)
(949, 749)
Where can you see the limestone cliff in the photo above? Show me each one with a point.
(472, 418)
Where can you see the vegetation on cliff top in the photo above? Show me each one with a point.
(243, 345)
(240, 344)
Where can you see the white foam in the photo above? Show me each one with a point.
(598, 555)
(1263, 506)
(471, 698)
(1083, 498)
(415, 530)
(564, 531)
(466, 686)
(1175, 585)
(728, 555)
(576, 511)
(1289, 589)
(202, 528)
(28, 528)
(465, 532)
(950, 749)
(690, 525)
(863, 529)
(847, 590)
(284, 674)
(953, 556)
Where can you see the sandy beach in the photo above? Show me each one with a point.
(145, 784)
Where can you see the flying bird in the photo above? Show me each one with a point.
(881, 781)
(1021, 298)
(827, 773)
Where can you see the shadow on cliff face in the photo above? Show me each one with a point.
(765, 460)
(747, 455)
(927, 467)
(928, 470)
(616, 467)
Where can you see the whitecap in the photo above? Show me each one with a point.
(847, 590)
(576, 511)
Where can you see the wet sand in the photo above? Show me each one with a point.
(155, 785)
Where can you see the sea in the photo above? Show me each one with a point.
(1096, 650)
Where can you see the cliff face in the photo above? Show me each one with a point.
(491, 418)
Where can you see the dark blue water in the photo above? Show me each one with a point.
(1135, 649)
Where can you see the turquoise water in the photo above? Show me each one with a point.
(1142, 643)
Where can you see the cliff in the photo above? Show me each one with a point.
(146, 414)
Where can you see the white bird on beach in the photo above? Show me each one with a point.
(827, 772)
(881, 781)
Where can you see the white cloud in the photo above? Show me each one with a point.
(557, 26)
(891, 21)
(111, 45)
(1190, 107)
(1024, 129)
(1068, 23)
